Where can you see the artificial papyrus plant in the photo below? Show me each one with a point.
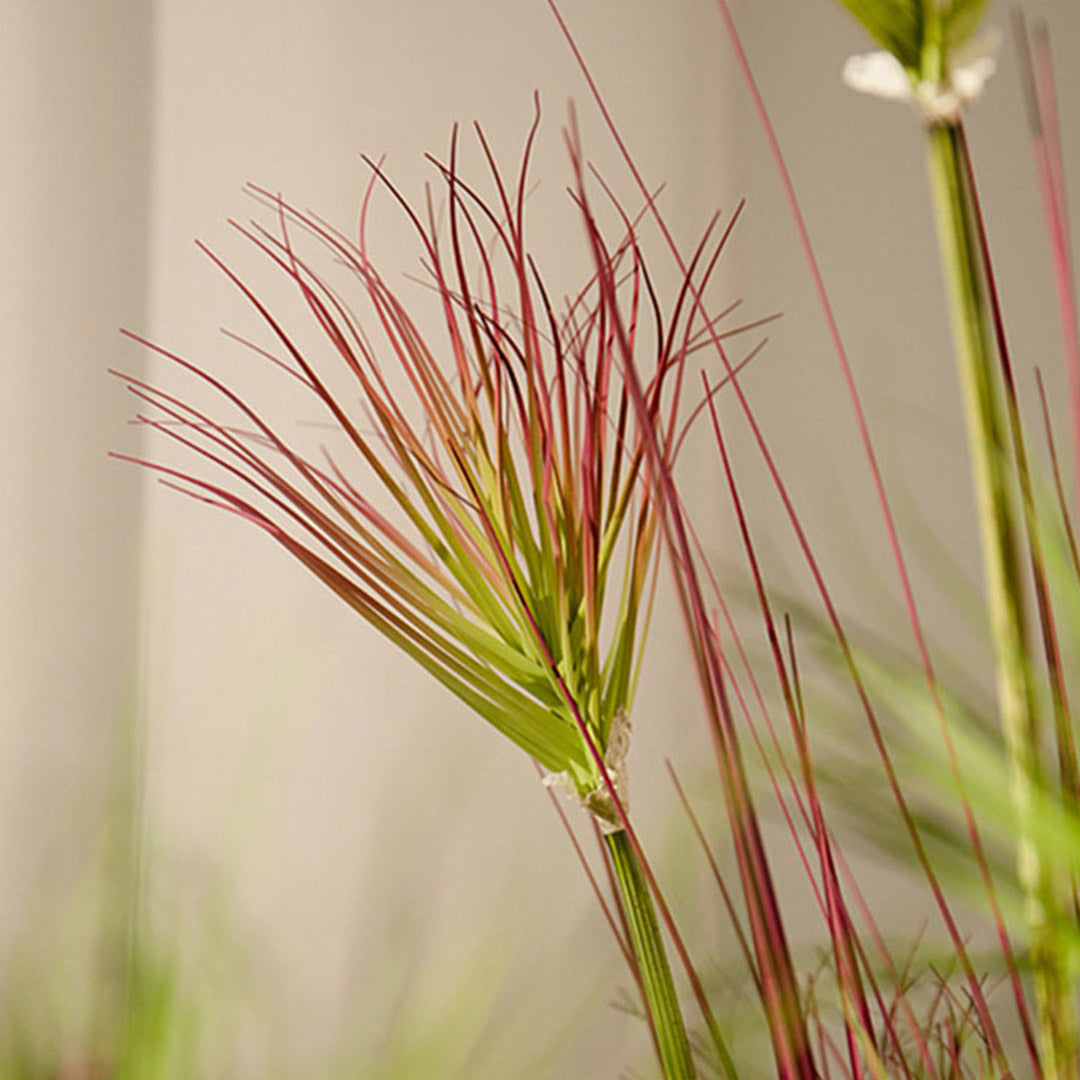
(484, 499)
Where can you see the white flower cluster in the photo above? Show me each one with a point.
(969, 67)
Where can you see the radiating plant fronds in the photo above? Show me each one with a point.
(486, 502)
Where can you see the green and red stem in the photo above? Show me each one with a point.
(1002, 545)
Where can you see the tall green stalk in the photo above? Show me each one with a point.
(1000, 531)
(932, 61)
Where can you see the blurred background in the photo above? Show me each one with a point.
(205, 753)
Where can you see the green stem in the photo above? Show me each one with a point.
(999, 527)
(672, 1043)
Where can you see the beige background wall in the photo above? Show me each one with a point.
(293, 761)
(76, 103)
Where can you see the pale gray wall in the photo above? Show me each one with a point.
(75, 125)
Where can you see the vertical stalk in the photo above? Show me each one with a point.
(672, 1043)
(999, 527)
